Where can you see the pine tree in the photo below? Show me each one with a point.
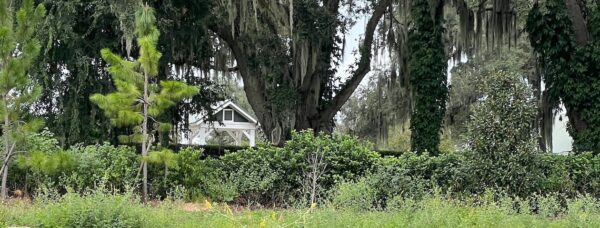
(18, 51)
(138, 100)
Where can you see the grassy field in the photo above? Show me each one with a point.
(122, 211)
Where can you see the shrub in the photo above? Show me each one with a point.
(571, 174)
(116, 167)
(275, 176)
(412, 175)
(345, 158)
(269, 174)
(94, 210)
(264, 174)
(355, 195)
(406, 176)
(501, 140)
(43, 161)
(79, 168)
(189, 173)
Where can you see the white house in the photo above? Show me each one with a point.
(228, 118)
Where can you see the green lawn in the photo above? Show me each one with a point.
(120, 211)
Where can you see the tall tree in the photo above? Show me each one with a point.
(287, 52)
(139, 100)
(18, 52)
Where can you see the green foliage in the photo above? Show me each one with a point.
(354, 195)
(115, 167)
(412, 176)
(347, 158)
(432, 211)
(260, 175)
(427, 68)
(571, 175)
(570, 69)
(18, 51)
(501, 139)
(71, 68)
(164, 157)
(125, 107)
(78, 169)
(270, 174)
(94, 210)
(267, 175)
(138, 103)
(190, 168)
(465, 89)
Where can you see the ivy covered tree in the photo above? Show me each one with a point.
(139, 100)
(427, 67)
(566, 37)
(18, 52)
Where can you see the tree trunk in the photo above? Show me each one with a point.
(582, 37)
(307, 110)
(7, 152)
(145, 142)
(579, 23)
(4, 179)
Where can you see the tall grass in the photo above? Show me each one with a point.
(105, 210)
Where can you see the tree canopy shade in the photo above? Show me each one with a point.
(287, 52)
(18, 52)
(71, 67)
(138, 101)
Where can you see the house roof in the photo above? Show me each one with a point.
(232, 105)
(224, 104)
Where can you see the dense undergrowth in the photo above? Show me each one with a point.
(281, 177)
(313, 181)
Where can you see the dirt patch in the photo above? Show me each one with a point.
(193, 207)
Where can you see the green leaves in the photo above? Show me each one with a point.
(46, 163)
(145, 21)
(570, 68)
(18, 50)
(501, 139)
(163, 157)
(428, 77)
(124, 107)
(176, 90)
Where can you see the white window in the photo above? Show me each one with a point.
(227, 115)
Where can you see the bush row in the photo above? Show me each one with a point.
(308, 167)
(220, 150)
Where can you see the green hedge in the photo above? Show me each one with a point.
(278, 176)
(220, 150)
(210, 150)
